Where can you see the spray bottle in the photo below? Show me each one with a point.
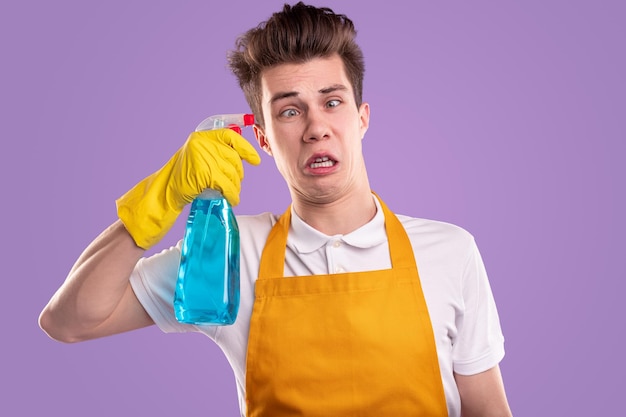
(207, 288)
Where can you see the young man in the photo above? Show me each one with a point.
(334, 317)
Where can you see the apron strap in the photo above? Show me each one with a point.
(400, 249)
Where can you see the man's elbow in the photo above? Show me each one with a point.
(55, 329)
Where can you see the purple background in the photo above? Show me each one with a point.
(506, 119)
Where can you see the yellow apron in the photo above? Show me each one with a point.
(352, 344)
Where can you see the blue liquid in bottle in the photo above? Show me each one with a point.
(207, 289)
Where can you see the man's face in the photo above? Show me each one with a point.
(313, 129)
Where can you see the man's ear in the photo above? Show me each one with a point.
(364, 117)
(261, 139)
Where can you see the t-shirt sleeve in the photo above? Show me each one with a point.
(479, 345)
(153, 280)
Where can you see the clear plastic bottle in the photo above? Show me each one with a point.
(207, 288)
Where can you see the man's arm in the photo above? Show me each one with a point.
(96, 299)
(483, 395)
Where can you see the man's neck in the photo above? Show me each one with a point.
(342, 216)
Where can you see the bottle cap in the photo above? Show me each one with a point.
(210, 194)
(248, 119)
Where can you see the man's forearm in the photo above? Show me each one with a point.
(96, 287)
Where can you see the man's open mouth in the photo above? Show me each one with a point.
(323, 162)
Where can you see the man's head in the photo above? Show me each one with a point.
(295, 35)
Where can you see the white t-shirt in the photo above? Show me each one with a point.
(455, 285)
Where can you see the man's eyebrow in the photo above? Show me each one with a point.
(333, 88)
(282, 95)
(327, 90)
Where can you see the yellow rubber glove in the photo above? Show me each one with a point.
(208, 159)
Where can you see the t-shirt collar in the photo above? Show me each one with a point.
(305, 239)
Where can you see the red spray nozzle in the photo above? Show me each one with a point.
(231, 121)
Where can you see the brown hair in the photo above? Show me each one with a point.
(297, 34)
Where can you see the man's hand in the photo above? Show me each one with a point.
(208, 159)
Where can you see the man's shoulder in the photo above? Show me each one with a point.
(430, 233)
(256, 226)
(260, 219)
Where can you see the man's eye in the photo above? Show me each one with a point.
(333, 103)
(289, 113)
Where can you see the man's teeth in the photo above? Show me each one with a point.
(323, 162)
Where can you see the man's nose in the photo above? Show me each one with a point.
(317, 127)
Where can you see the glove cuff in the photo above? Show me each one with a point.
(146, 218)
